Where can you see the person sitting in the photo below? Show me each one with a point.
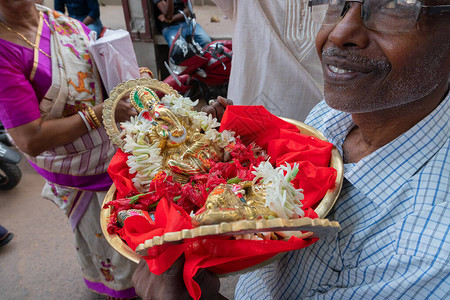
(85, 11)
(169, 20)
(386, 109)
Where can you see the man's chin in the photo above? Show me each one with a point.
(339, 105)
(351, 106)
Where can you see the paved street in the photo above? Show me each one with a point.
(39, 263)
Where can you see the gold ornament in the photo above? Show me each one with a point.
(234, 202)
(116, 95)
(184, 148)
(25, 39)
(142, 97)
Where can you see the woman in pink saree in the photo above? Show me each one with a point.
(51, 104)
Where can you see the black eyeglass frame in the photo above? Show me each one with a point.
(424, 9)
(435, 9)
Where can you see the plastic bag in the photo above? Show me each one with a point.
(115, 58)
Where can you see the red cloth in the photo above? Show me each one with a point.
(284, 143)
(218, 254)
(118, 171)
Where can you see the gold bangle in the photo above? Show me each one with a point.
(146, 70)
(94, 117)
(88, 119)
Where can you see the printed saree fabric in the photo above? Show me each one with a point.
(78, 169)
(81, 164)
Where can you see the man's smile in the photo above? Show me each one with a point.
(338, 70)
(346, 65)
(335, 71)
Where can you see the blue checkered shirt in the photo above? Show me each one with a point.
(395, 218)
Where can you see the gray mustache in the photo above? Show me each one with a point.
(379, 63)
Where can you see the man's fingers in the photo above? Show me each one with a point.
(224, 101)
(177, 267)
(209, 284)
(210, 110)
(219, 109)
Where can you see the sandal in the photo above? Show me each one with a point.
(6, 239)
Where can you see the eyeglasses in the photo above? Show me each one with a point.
(379, 15)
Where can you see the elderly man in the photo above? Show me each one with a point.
(386, 68)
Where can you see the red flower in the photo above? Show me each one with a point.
(192, 195)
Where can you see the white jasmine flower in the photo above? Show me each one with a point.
(200, 119)
(145, 156)
(212, 135)
(259, 151)
(146, 162)
(282, 198)
(206, 122)
(226, 138)
(181, 106)
(136, 125)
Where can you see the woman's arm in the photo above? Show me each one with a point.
(40, 135)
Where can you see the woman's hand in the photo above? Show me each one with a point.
(124, 109)
(170, 284)
(217, 107)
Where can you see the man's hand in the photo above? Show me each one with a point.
(162, 18)
(216, 108)
(170, 284)
(88, 20)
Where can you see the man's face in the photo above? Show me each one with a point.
(366, 70)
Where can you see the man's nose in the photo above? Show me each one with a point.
(350, 31)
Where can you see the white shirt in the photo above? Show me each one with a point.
(275, 63)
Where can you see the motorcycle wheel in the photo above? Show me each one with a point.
(10, 176)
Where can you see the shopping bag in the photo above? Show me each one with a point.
(115, 58)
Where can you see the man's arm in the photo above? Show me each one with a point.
(170, 285)
(94, 12)
(397, 277)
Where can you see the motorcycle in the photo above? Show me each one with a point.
(195, 72)
(10, 173)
